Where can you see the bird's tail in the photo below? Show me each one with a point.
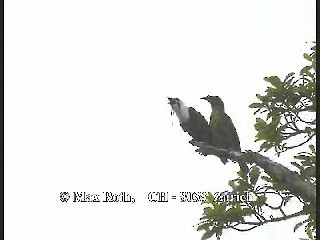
(243, 165)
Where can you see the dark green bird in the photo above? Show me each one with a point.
(223, 132)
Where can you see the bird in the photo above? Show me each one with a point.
(223, 132)
(191, 121)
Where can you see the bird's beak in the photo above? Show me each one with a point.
(173, 100)
(204, 98)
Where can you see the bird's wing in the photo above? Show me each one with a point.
(198, 127)
(230, 132)
(191, 121)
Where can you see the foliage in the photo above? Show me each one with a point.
(286, 121)
(290, 107)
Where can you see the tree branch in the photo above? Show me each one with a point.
(290, 179)
(286, 217)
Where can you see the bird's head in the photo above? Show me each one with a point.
(173, 100)
(215, 101)
(179, 108)
(175, 103)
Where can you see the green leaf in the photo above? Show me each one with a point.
(298, 225)
(254, 175)
(255, 105)
(309, 172)
(309, 233)
(274, 80)
(305, 70)
(265, 146)
(307, 57)
(312, 149)
(208, 212)
(309, 130)
(272, 92)
(260, 97)
(260, 124)
(267, 179)
(207, 234)
(210, 198)
(296, 165)
(261, 200)
(204, 226)
(261, 136)
(309, 74)
(302, 157)
(293, 99)
(233, 185)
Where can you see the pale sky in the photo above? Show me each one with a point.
(86, 87)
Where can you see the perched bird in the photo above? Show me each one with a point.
(223, 132)
(191, 121)
(220, 132)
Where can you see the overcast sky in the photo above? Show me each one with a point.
(86, 87)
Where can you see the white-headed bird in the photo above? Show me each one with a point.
(191, 121)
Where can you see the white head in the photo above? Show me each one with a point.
(180, 109)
